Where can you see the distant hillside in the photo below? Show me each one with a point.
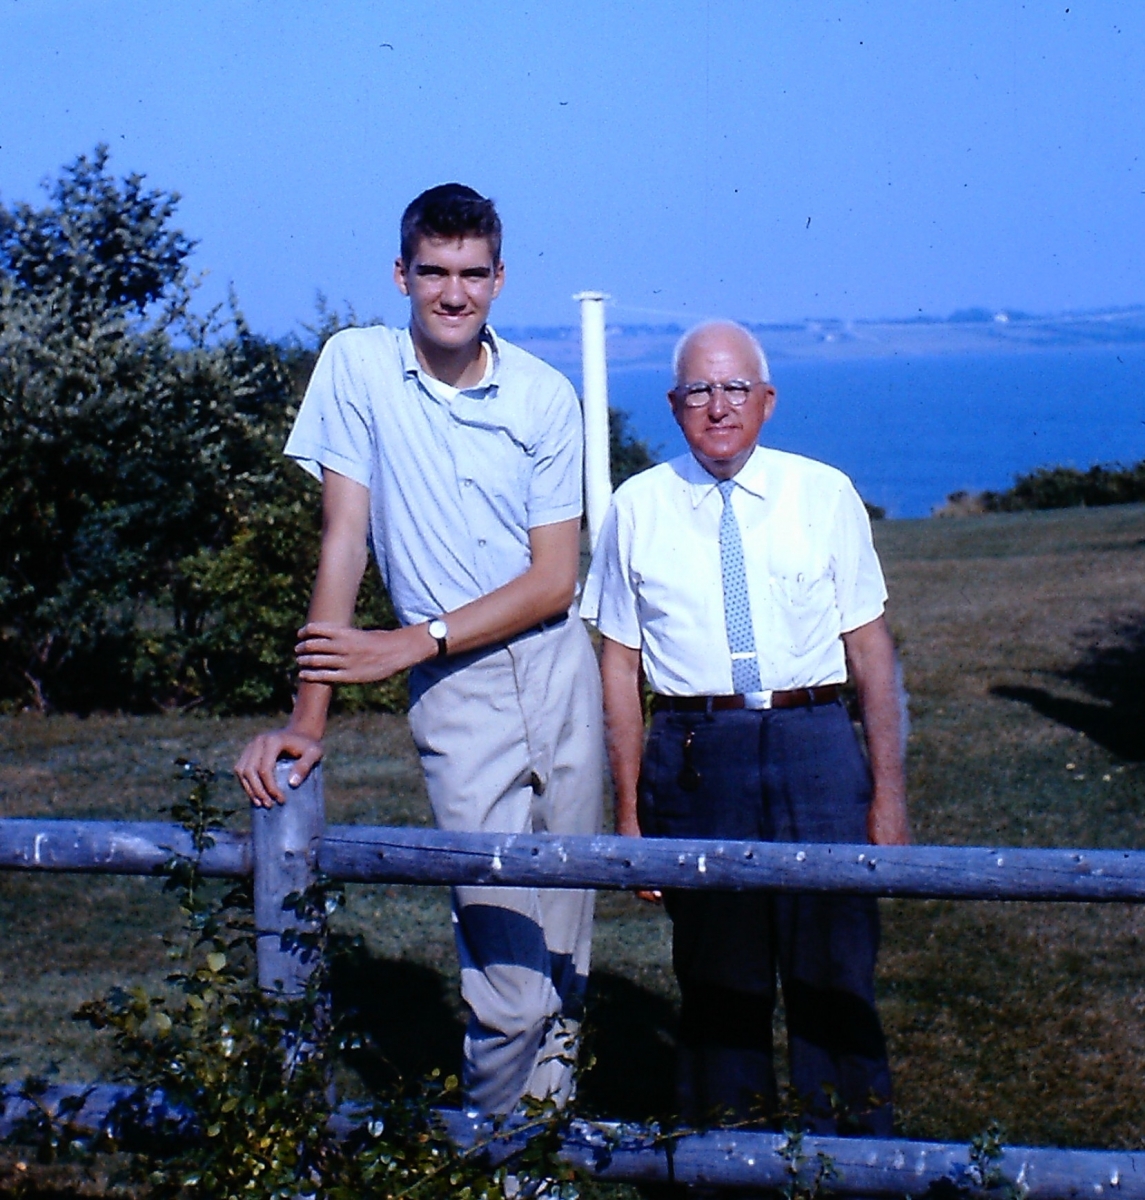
(970, 331)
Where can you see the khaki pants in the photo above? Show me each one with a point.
(511, 741)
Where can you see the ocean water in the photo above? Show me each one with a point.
(909, 431)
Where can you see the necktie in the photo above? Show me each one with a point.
(737, 605)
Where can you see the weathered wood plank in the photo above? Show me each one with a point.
(365, 853)
(430, 856)
(114, 847)
(730, 1158)
(285, 840)
(866, 1166)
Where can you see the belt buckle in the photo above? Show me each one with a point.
(757, 700)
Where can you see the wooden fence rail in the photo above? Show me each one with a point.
(380, 854)
(729, 1158)
(290, 845)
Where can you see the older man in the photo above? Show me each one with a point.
(743, 581)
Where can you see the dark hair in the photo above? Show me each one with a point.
(450, 210)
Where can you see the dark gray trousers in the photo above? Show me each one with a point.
(790, 775)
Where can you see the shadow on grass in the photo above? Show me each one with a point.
(403, 1013)
(1112, 670)
(1119, 732)
(631, 1035)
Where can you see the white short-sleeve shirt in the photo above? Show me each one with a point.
(812, 572)
(457, 478)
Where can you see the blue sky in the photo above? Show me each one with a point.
(762, 160)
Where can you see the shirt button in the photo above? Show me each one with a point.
(481, 541)
(467, 482)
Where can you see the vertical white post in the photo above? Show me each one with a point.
(597, 477)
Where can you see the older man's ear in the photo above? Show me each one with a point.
(768, 402)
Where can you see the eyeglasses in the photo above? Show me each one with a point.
(699, 395)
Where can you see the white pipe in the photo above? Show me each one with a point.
(597, 478)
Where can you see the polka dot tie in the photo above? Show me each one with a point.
(737, 605)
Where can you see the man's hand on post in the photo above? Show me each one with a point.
(255, 767)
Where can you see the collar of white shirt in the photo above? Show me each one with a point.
(411, 366)
(752, 477)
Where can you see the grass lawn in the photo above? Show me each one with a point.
(1023, 641)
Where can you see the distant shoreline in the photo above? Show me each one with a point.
(978, 331)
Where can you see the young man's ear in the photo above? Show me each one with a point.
(400, 276)
(498, 278)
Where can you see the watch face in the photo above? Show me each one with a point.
(438, 629)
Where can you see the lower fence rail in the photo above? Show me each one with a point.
(724, 1158)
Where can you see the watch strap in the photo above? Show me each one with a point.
(439, 631)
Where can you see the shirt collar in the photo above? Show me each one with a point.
(491, 378)
(752, 477)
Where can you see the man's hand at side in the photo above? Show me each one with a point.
(887, 823)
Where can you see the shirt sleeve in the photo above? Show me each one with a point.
(610, 600)
(860, 590)
(555, 486)
(332, 428)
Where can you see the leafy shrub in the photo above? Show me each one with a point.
(627, 454)
(1067, 487)
(253, 594)
(1054, 487)
(155, 548)
(243, 1077)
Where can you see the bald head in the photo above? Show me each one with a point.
(723, 395)
(718, 334)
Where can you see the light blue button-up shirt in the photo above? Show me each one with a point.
(456, 481)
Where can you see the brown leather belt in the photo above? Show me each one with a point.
(828, 693)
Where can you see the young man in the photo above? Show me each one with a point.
(460, 456)
(744, 581)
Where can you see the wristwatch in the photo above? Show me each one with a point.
(439, 631)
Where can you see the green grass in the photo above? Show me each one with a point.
(1023, 641)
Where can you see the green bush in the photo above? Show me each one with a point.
(1067, 487)
(155, 548)
(246, 1077)
(627, 454)
(254, 594)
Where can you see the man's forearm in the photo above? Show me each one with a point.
(331, 652)
(870, 651)
(623, 727)
(544, 590)
(311, 704)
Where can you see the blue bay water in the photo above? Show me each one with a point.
(909, 431)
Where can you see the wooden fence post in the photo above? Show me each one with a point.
(285, 841)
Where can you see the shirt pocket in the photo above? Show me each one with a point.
(497, 469)
(804, 604)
